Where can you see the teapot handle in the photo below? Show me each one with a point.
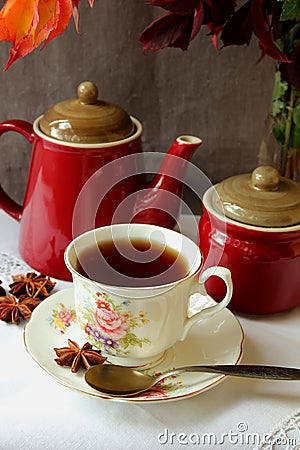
(25, 128)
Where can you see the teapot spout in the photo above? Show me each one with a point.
(159, 201)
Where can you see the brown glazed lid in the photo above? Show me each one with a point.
(262, 198)
(86, 120)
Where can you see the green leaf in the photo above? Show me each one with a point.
(296, 113)
(295, 137)
(124, 344)
(295, 34)
(289, 41)
(290, 10)
(277, 106)
(279, 133)
(280, 87)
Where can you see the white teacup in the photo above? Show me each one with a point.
(134, 326)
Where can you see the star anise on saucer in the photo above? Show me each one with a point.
(32, 285)
(76, 357)
(13, 309)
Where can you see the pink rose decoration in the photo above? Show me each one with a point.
(65, 316)
(154, 392)
(110, 323)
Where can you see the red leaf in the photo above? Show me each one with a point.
(239, 28)
(64, 10)
(76, 14)
(16, 19)
(25, 44)
(221, 10)
(177, 6)
(290, 71)
(207, 11)
(214, 32)
(263, 33)
(28, 23)
(169, 30)
(185, 38)
(198, 20)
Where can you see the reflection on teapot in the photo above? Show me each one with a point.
(77, 141)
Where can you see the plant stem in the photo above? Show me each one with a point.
(288, 128)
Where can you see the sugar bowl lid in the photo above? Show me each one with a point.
(262, 198)
(86, 119)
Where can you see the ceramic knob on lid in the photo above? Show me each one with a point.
(262, 198)
(86, 119)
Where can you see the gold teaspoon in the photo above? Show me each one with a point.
(121, 381)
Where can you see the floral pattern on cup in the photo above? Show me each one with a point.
(62, 318)
(109, 326)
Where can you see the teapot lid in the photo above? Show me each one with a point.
(86, 119)
(262, 198)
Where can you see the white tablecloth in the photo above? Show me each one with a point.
(36, 412)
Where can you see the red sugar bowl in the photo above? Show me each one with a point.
(251, 225)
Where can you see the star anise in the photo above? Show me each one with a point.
(75, 357)
(32, 285)
(12, 309)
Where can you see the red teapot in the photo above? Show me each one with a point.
(85, 172)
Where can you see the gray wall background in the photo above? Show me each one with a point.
(223, 98)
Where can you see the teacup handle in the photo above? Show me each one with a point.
(198, 287)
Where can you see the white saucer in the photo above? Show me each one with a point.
(218, 340)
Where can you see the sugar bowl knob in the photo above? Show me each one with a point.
(265, 178)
